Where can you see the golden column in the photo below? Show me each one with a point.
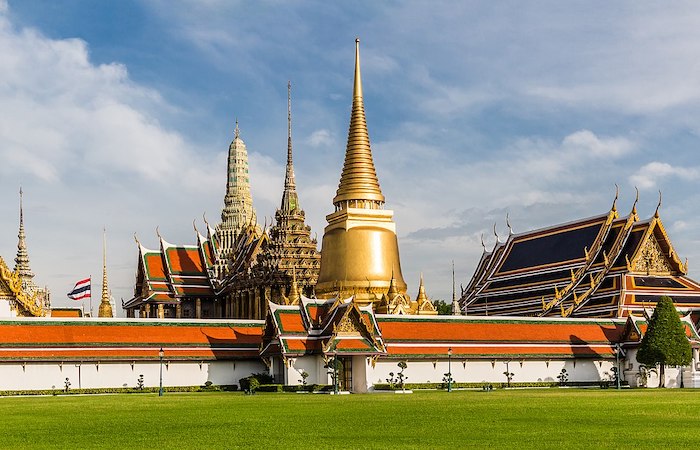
(360, 250)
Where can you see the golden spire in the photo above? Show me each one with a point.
(456, 311)
(105, 309)
(421, 297)
(393, 291)
(290, 200)
(22, 259)
(358, 182)
(293, 298)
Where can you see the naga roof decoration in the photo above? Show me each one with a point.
(596, 267)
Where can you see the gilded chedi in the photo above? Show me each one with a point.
(359, 251)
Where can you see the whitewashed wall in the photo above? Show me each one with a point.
(488, 371)
(35, 375)
(689, 375)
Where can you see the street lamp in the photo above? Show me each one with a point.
(335, 373)
(160, 355)
(449, 369)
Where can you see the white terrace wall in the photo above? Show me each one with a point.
(491, 371)
(689, 376)
(40, 375)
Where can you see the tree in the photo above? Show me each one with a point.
(443, 308)
(665, 342)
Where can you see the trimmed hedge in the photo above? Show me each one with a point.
(542, 384)
(122, 390)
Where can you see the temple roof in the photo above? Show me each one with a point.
(59, 339)
(492, 337)
(326, 327)
(573, 268)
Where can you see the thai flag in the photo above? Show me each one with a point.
(81, 290)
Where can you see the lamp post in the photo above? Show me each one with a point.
(335, 373)
(160, 355)
(617, 364)
(449, 369)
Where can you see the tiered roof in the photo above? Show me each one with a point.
(63, 339)
(491, 337)
(580, 269)
(326, 327)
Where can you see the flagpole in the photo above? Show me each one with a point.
(90, 295)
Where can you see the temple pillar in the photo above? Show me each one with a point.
(161, 311)
(178, 311)
(256, 297)
(198, 308)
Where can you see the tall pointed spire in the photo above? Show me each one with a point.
(22, 259)
(105, 309)
(455, 305)
(359, 185)
(290, 200)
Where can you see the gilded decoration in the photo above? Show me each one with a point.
(651, 259)
(24, 301)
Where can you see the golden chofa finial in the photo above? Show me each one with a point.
(617, 194)
(658, 206)
(636, 199)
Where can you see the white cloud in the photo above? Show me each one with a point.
(320, 138)
(649, 175)
(586, 143)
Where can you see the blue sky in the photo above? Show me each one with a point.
(120, 114)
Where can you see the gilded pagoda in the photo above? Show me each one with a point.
(19, 294)
(602, 266)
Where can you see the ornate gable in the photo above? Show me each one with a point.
(655, 254)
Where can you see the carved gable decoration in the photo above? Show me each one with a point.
(349, 325)
(651, 258)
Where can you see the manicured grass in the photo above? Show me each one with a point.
(543, 418)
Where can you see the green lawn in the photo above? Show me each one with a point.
(551, 418)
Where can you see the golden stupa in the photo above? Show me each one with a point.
(360, 251)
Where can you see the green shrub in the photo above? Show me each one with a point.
(270, 388)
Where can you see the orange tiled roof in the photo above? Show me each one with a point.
(128, 339)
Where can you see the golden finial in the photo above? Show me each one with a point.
(617, 194)
(158, 232)
(105, 309)
(510, 229)
(658, 205)
(136, 238)
(358, 180)
(293, 289)
(636, 199)
(495, 233)
(421, 297)
(483, 245)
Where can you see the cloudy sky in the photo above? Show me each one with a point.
(119, 114)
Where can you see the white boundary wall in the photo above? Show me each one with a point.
(52, 375)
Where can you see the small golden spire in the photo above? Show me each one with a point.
(294, 296)
(421, 297)
(617, 194)
(393, 291)
(636, 199)
(358, 181)
(105, 309)
(658, 205)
